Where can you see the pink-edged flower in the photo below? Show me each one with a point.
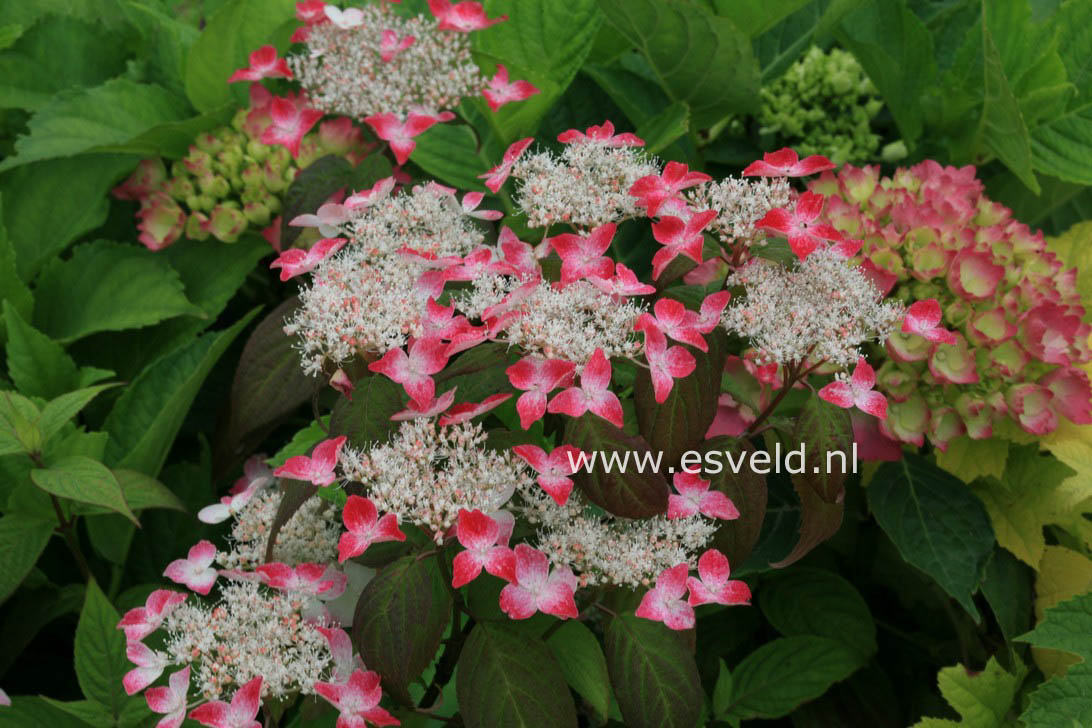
(582, 256)
(365, 528)
(466, 411)
(263, 64)
(148, 176)
(240, 713)
(714, 586)
(711, 309)
(857, 390)
(290, 122)
(799, 226)
(346, 19)
(149, 666)
(139, 622)
(170, 699)
(462, 17)
(1072, 394)
(433, 408)
(357, 700)
(318, 468)
(786, 163)
(973, 275)
(537, 377)
(256, 475)
(553, 469)
(470, 203)
(538, 589)
(414, 370)
(195, 571)
(296, 261)
(654, 190)
(1052, 334)
(390, 45)
(694, 496)
(666, 364)
(161, 221)
(679, 238)
(497, 176)
(328, 218)
(480, 536)
(674, 320)
(665, 603)
(1031, 405)
(500, 91)
(399, 134)
(341, 654)
(379, 191)
(592, 395)
(320, 580)
(923, 319)
(312, 12)
(601, 134)
(622, 284)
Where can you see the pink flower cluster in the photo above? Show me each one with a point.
(1006, 333)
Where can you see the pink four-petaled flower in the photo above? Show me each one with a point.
(466, 411)
(592, 395)
(139, 622)
(240, 713)
(714, 586)
(481, 538)
(170, 699)
(674, 320)
(786, 163)
(857, 390)
(297, 261)
(357, 700)
(414, 370)
(263, 64)
(666, 364)
(195, 571)
(622, 284)
(317, 469)
(694, 496)
(582, 256)
(500, 91)
(537, 377)
(553, 469)
(654, 190)
(538, 589)
(399, 134)
(320, 580)
(603, 134)
(365, 527)
(390, 45)
(462, 17)
(665, 602)
(799, 226)
(496, 177)
(291, 120)
(923, 319)
(149, 666)
(679, 237)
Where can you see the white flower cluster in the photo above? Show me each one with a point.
(586, 186)
(309, 536)
(820, 309)
(605, 549)
(343, 71)
(568, 323)
(365, 298)
(252, 631)
(739, 203)
(426, 474)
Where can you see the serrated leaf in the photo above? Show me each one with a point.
(16, 293)
(147, 417)
(664, 128)
(626, 491)
(1064, 701)
(367, 418)
(581, 659)
(654, 676)
(1074, 247)
(755, 17)
(1007, 588)
(451, 153)
(232, 32)
(37, 365)
(91, 119)
(60, 410)
(35, 712)
(1063, 574)
(400, 619)
(85, 480)
(100, 652)
(808, 601)
(982, 699)
(507, 678)
(19, 431)
(936, 523)
(107, 286)
(969, 459)
(23, 537)
(780, 675)
(821, 429)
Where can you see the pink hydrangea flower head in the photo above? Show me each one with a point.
(582, 256)
(139, 622)
(679, 237)
(653, 191)
(357, 700)
(804, 234)
(666, 364)
(399, 134)
(291, 120)
(603, 134)
(414, 370)
(462, 17)
(149, 666)
(170, 700)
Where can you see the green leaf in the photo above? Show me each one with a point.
(747, 491)
(936, 523)
(236, 29)
(630, 494)
(635, 95)
(143, 492)
(653, 674)
(807, 601)
(94, 119)
(896, 51)
(821, 429)
(62, 409)
(40, 222)
(982, 699)
(301, 443)
(699, 58)
(507, 678)
(1064, 700)
(147, 417)
(544, 42)
(477, 373)
(19, 431)
(581, 659)
(780, 675)
(1074, 247)
(400, 619)
(35, 712)
(55, 54)
(662, 130)
(37, 365)
(755, 17)
(1007, 588)
(969, 459)
(100, 652)
(85, 480)
(23, 537)
(451, 154)
(367, 418)
(819, 520)
(107, 286)
(16, 293)
(722, 690)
